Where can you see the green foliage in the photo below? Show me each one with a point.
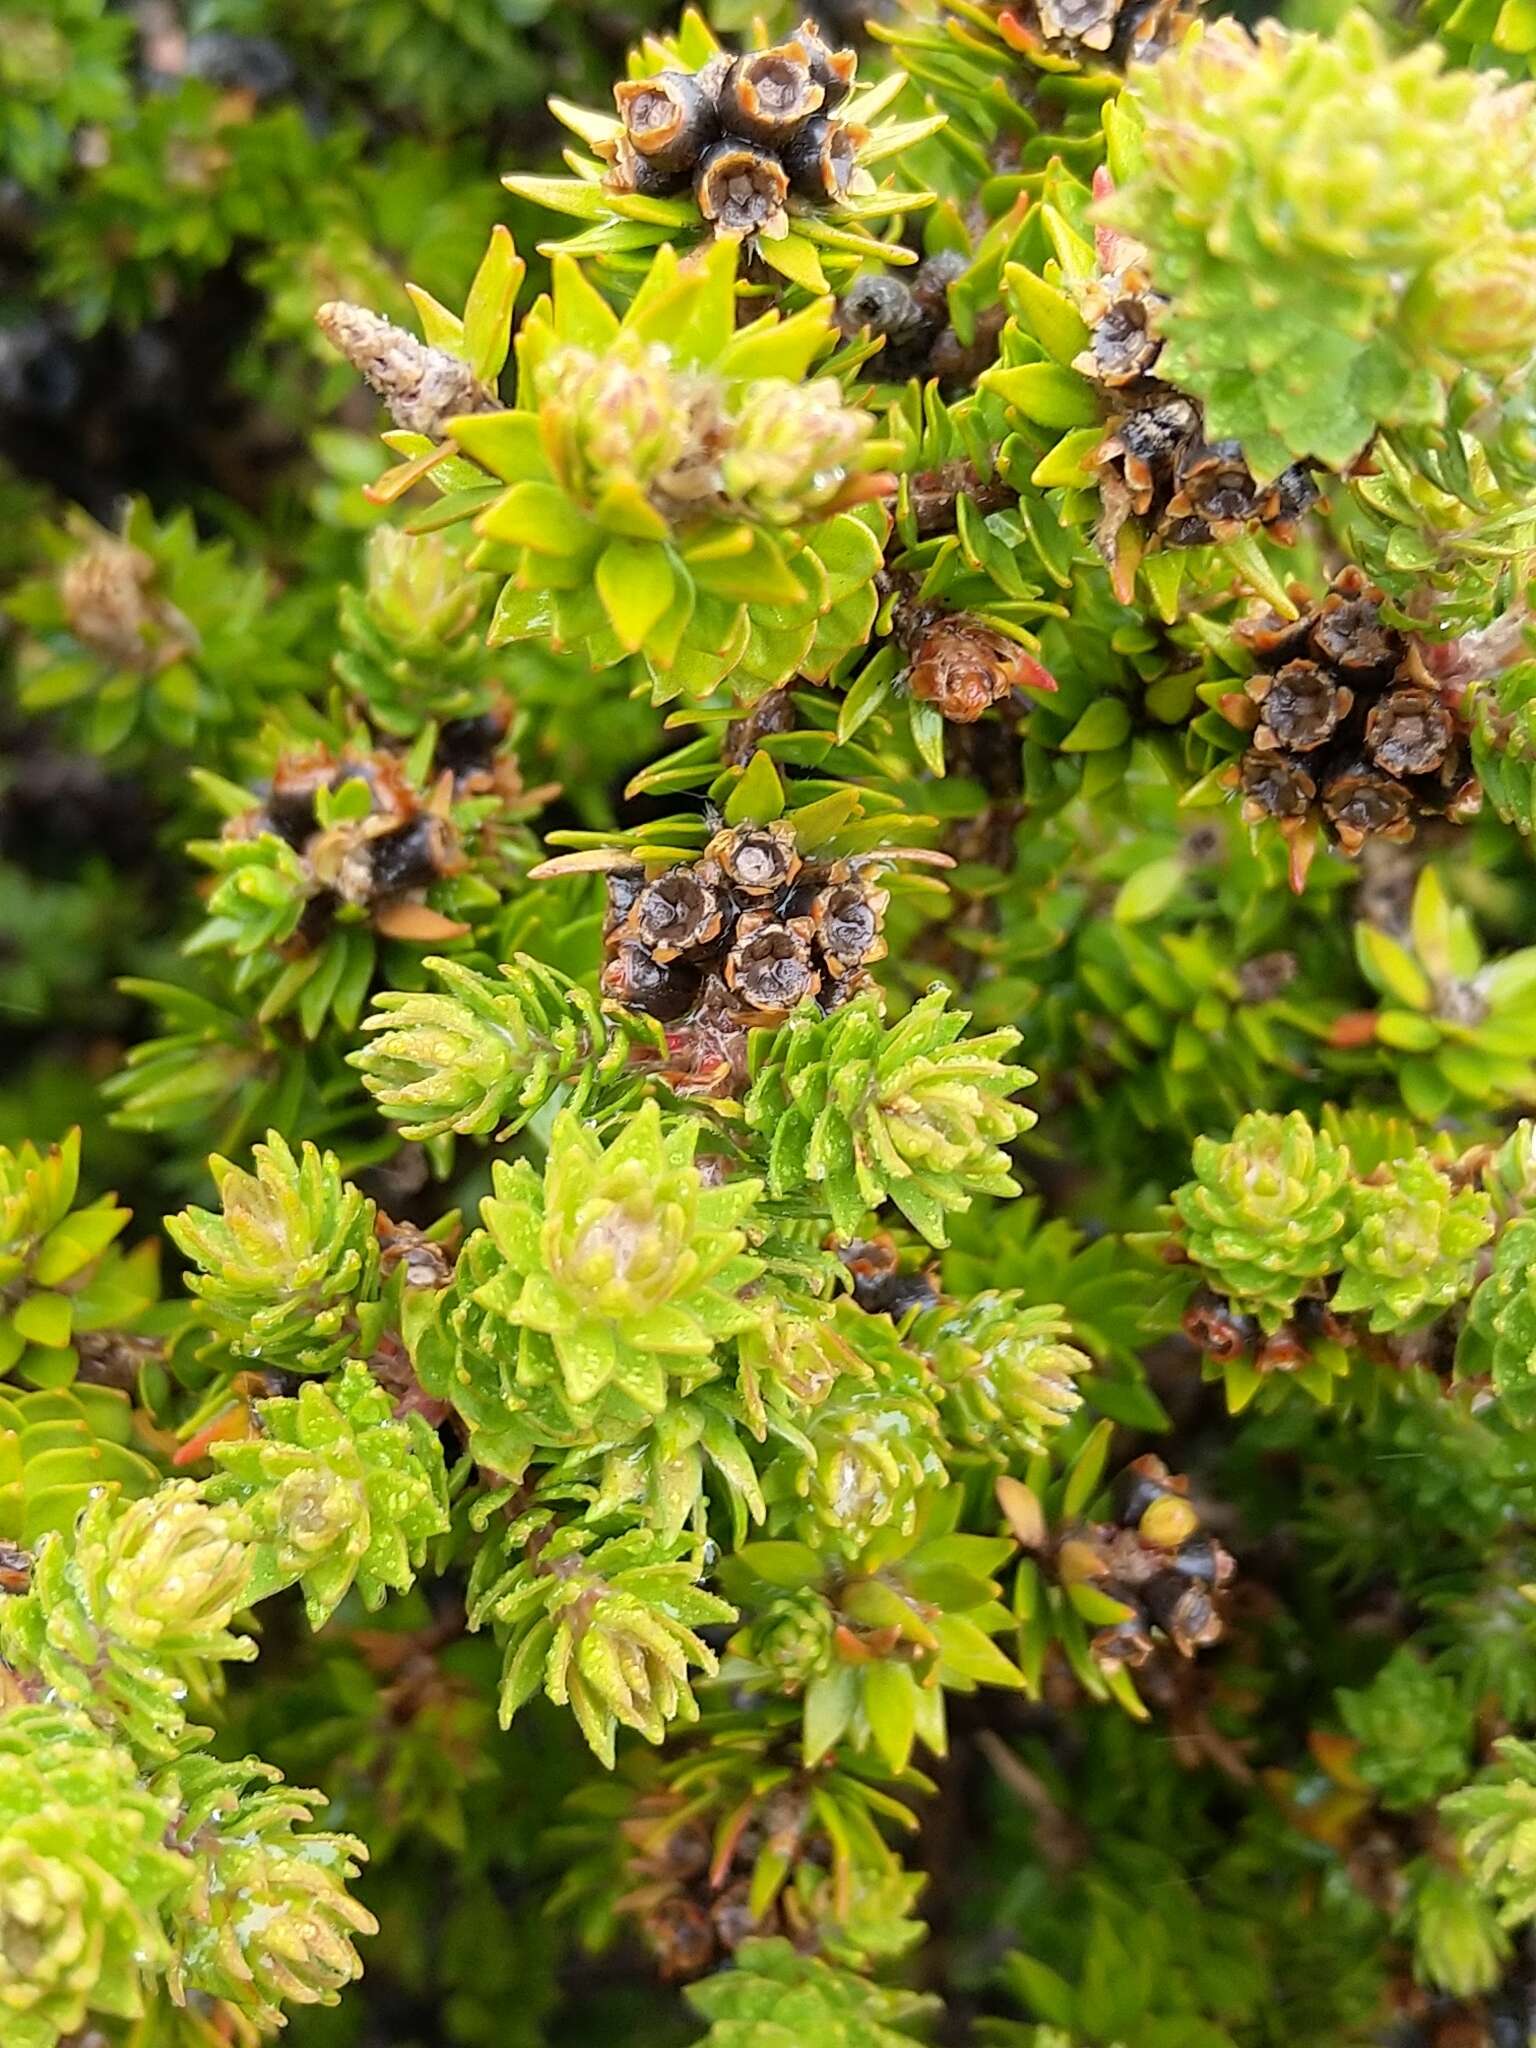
(333, 1492)
(774, 1997)
(1024, 556)
(1385, 202)
(911, 1113)
(61, 1275)
(487, 1055)
(289, 1264)
(606, 1626)
(85, 1872)
(130, 1611)
(1264, 1210)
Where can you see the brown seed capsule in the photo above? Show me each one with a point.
(1221, 1331)
(1362, 803)
(1184, 1611)
(879, 1286)
(733, 1918)
(670, 119)
(681, 1933)
(757, 860)
(1089, 24)
(833, 70)
(740, 188)
(820, 161)
(1124, 348)
(1348, 633)
(402, 1245)
(1215, 484)
(848, 918)
(771, 968)
(1127, 1642)
(1302, 705)
(1409, 732)
(963, 667)
(621, 887)
(633, 978)
(1291, 496)
(768, 95)
(680, 912)
(1274, 786)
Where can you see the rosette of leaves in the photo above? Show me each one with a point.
(871, 1645)
(732, 1839)
(674, 487)
(1412, 1729)
(482, 1055)
(1008, 1378)
(620, 1265)
(605, 1624)
(863, 1112)
(1267, 1211)
(333, 1490)
(268, 1920)
(62, 1276)
(866, 1456)
(350, 849)
(58, 1446)
(288, 1267)
(770, 151)
(147, 634)
(1387, 203)
(87, 1877)
(775, 1996)
(413, 634)
(1455, 1025)
(128, 1611)
(1414, 1245)
(1121, 454)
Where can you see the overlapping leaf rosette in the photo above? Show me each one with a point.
(770, 151)
(679, 488)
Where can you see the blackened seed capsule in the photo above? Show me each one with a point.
(409, 858)
(631, 172)
(633, 978)
(833, 70)
(1184, 1611)
(1302, 704)
(847, 917)
(1409, 732)
(757, 860)
(1143, 1481)
(1274, 786)
(670, 119)
(1216, 481)
(880, 302)
(466, 746)
(769, 95)
(739, 187)
(683, 1938)
(679, 912)
(772, 969)
(821, 159)
(1202, 1558)
(622, 886)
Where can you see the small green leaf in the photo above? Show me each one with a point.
(634, 581)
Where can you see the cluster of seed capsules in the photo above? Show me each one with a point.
(384, 861)
(740, 937)
(744, 132)
(1347, 729)
(1155, 1561)
(1155, 464)
(1228, 1335)
(691, 1890)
